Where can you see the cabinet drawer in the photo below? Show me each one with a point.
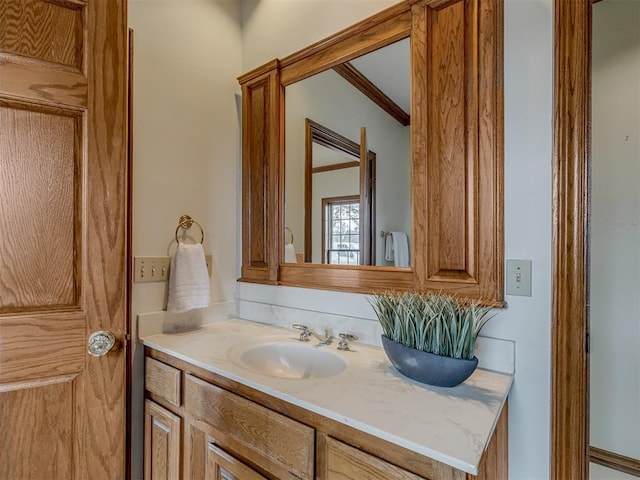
(163, 380)
(344, 462)
(272, 441)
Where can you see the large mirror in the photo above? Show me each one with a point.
(348, 162)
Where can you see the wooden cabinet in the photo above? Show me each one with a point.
(456, 152)
(161, 443)
(220, 429)
(273, 442)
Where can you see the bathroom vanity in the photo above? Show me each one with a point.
(210, 414)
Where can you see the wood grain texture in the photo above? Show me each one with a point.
(335, 166)
(29, 447)
(57, 341)
(43, 30)
(222, 466)
(419, 146)
(194, 448)
(572, 150)
(375, 32)
(285, 443)
(389, 452)
(129, 271)
(39, 208)
(615, 461)
(101, 435)
(352, 75)
(464, 238)
(42, 84)
(163, 380)
(344, 462)
(365, 279)
(447, 157)
(161, 443)
(52, 341)
(495, 461)
(457, 147)
(260, 137)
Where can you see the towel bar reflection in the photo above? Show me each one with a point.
(186, 222)
(290, 233)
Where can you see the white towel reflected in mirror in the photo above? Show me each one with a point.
(290, 253)
(396, 249)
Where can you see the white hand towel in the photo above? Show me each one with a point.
(188, 279)
(400, 249)
(388, 247)
(290, 253)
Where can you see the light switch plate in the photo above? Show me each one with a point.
(519, 277)
(151, 269)
(156, 269)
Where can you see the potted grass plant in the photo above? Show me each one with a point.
(430, 337)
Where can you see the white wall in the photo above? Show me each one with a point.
(615, 229)
(274, 28)
(186, 135)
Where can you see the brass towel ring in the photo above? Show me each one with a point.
(185, 222)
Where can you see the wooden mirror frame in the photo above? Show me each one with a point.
(456, 152)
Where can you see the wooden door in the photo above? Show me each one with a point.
(63, 233)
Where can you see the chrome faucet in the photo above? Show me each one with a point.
(307, 332)
(345, 339)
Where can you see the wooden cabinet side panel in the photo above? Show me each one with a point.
(462, 148)
(161, 443)
(260, 137)
(495, 461)
(446, 137)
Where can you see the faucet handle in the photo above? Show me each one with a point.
(305, 334)
(345, 339)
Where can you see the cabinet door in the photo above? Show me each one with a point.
(161, 443)
(344, 462)
(222, 466)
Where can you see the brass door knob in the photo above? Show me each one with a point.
(101, 342)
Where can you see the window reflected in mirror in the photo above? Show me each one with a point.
(348, 159)
(341, 230)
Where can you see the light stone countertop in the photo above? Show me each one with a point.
(450, 425)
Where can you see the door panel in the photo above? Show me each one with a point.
(43, 30)
(39, 192)
(30, 449)
(63, 174)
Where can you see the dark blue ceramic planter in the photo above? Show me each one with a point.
(428, 368)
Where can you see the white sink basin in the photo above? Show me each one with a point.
(288, 360)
